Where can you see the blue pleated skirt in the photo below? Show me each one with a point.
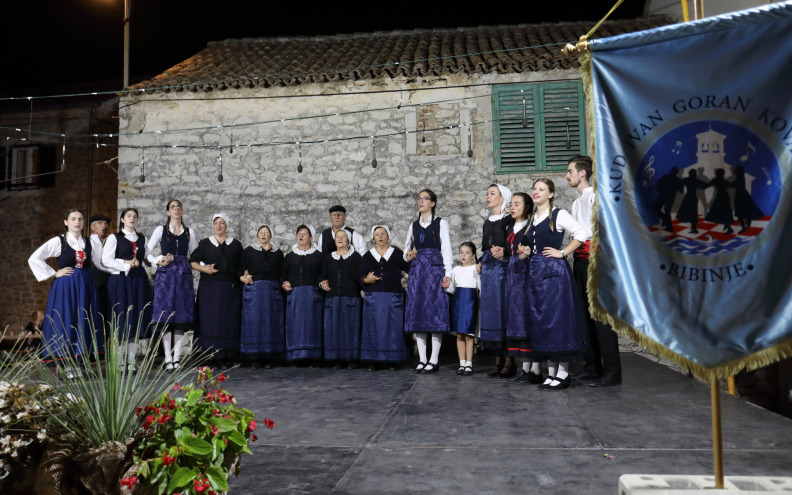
(304, 323)
(71, 316)
(558, 326)
(263, 333)
(219, 317)
(494, 303)
(342, 328)
(382, 336)
(427, 304)
(130, 298)
(464, 310)
(174, 294)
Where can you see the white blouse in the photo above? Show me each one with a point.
(564, 222)
(464, 277)
(445, 243)
(52, 249)
(156, 237)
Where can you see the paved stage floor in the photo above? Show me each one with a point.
(393, 432)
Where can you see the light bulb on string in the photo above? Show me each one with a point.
(423, 131)
(398, 107)
(299, 158)
(220, 175)
(525, 115)
(373, 152)
(568, 140)
(231, 148)
(470, 142)
(63, 154)
(142, 167)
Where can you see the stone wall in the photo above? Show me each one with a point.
(30, 218)
(261, 184)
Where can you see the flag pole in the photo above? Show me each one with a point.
(717, 434)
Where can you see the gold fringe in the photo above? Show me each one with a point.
(756, 360)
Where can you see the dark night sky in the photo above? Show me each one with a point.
(48, 45)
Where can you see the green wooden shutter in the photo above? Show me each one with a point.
(544, 144)
(515, 145)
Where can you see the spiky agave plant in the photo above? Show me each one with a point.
(103, 399)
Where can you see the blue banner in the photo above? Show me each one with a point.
(693, 136)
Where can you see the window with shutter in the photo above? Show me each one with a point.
(537, 126)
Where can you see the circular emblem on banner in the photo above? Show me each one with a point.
(707, 187)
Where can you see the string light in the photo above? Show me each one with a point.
(142, 167)
(220, 175)
(299, 159)
(373, 152)
(63, 154)
(470, 142)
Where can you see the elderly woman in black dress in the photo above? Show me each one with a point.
(262, 302)
(342, 306)
(219, 300)
(300, 277)
(380, 272)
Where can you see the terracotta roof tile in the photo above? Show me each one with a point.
(291, 61)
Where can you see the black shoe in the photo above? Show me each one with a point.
(420, 368)
(507, 371)
(372, 367)
(461, 370)
(468, 371)
(352, 366)
(586, 376)
(520, 377)
(337, 366)
(560, 384)
(392, 367)
(606, 381)
(535, 379)
(434, 368)
(267, 366)
(545, 384)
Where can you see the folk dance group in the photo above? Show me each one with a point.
(259, 305)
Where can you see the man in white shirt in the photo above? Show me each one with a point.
(99, 225)
(603, 365)
(338, 222)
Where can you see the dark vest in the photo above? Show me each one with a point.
(426, 238)
(68, 256)
(541, 236)
(125, 250)
(174, 244)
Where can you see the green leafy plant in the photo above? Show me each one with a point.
(104, 398)
(193, 438)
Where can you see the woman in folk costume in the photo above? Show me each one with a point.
(428, 248)
(518, 327)
(557, 320)
(342, 306)
(219, 292)
(300, 278)
(72, 311)
(382, 339)
(263, 337)
(173, 309)
(128, 287)
(493, 267)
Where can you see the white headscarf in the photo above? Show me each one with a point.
(380, 226)
(221, 215)
(507, 195)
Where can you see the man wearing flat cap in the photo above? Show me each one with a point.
(99, 226)
(338, 222)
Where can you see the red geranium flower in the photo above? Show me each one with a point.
(176, 386)
(129, 482)
(167, 460)
(150, 420)
(269, 423)
(221, 378)
(252, 425)
(201, 485)
(253, 437)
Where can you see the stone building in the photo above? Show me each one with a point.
(51, 164)
(276, 130)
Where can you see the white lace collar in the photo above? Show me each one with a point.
(495, 218)
(227, 242)
(258, 247)
(378, 256)
(300, 252)
(337, 256)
